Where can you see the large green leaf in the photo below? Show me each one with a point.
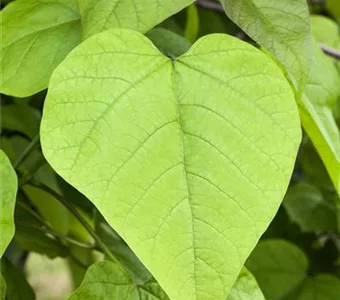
(9, 187)
(282, 27)
(281, 271)
(307, 207)
(36, 37)
(245, 288)
(140, 15)
(316, 104)
(172, 151)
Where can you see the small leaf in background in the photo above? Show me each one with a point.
(140, 15)
(17, 288)
(281, 272)
(106, 278)
(169, 43)
(282, 27)
(325, 30)
(278, 267)
(165, 119)
(2, 288)
(307, 207)
(192, 24)
(49, 207)
(121, 251)
(245, 288)
(36, 37)
(315, 106)
(9, 187)
(20, 118)
(333, 6)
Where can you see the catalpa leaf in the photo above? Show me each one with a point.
(9, 187)
(281, 271)
(315, 106)
(140, 15)
(36, 37)
(282, 27)
(245, 288)
(172, 151)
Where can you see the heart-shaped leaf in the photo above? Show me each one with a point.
(9, 187)
(187, 159)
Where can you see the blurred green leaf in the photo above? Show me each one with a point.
(33, 240)
(281, 271)
(168, 42)
(307, 207)
(49, 207)
(325, 30)
(333, 6)
(192, 24)
(278, 267)
(9, 187)
(20, 118)
(2, 288)
(17, 288)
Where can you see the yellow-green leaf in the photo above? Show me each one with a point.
(172, 151)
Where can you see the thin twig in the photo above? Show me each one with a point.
(335, 53)
(56, 235)
(27, 151)
(209, 5)
(75, 212)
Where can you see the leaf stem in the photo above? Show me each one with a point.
(209, 5)
(27, 151)
(74, 211)
(330, 51)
